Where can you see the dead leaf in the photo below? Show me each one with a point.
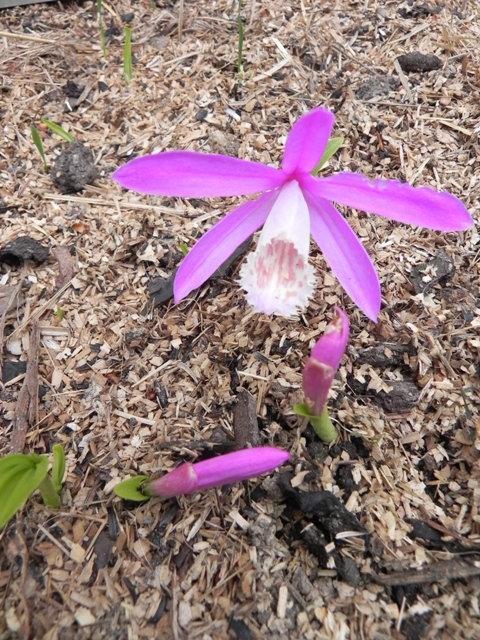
(65, 266)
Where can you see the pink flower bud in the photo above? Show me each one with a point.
(324, 361)
(214, 472)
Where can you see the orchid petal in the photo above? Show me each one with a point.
(238, 466)
(277, 276)
(345, 254)
(220, 242)
(187, 174)
(321, 366)
(317, 379)
(306, 141)
(420, 206)
(181, 480)
(330, 348)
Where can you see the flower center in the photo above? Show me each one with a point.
(277, 278)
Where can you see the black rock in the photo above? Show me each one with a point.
(74, 168)
(23, 248)
(416, 61)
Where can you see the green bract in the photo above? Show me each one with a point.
(322, 425)
(58, 467)
(131, 489)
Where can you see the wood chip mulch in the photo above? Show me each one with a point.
(376, 536)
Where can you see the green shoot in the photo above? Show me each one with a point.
(127, 56)
(333, 145)
(56, 128)
(21, 474)
(59, 312)
(102, 30)
(58, 467)
(37, 141)
(322, 425)
(240, 40)
(49, 496)
(183, 248)
(131, 489)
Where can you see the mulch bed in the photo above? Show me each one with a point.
(376, 536)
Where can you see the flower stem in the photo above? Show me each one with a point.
(49, 495)
(323, 426)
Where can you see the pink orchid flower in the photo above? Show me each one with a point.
(322, 365)
(293, 204)
(214, 472)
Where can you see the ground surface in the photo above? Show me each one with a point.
(127, 387)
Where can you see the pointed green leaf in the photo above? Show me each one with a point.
(102, 30)
(20, 475)
(56, 128)
(37, 141)
(58, 467)
(131, 489)
(49, 495)
(301, 409)
(127, 56)
(333, 145)
(240, 40)
(183, 248)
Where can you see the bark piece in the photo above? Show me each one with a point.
(436, 572)
(245, 423)
(386, 354)
(403, 396)
(65, 266)
(328, 511)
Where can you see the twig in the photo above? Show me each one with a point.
(23, 36)
(27, 404)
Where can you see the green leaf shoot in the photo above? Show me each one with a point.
(131, 489)
(37, 141)
(50, 497)
(183, 248)
(102, 30)
(56, 128)
(59, 312)
(240, 40)
(20, 475)
(58, 467)
(333, 145)
(127, 55)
